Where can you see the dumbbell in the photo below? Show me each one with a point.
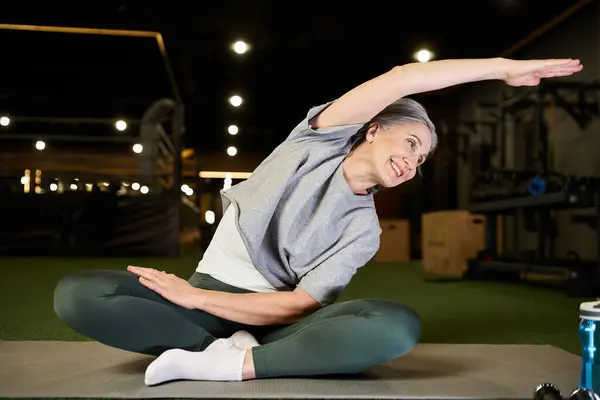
(583, 394)
(548, 391)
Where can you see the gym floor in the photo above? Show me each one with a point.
(452, 311)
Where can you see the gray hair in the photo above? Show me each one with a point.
(401, 111)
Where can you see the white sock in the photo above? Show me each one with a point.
(244, 340)
(222, 360)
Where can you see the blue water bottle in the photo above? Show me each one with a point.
(589, 334)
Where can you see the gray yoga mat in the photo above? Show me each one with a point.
(90, 369)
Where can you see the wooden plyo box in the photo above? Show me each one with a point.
(395, 241)
(449, 239)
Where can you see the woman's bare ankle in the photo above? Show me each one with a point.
(248, 368)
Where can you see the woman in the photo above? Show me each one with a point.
(261, 301)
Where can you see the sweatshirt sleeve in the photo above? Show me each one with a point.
(326, 282)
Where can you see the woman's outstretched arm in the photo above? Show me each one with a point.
(365, 101)
(276, 308)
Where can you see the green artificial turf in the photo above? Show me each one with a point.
(452, 312)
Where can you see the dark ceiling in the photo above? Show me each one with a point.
(303, 54)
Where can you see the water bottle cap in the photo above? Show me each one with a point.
(590, 310)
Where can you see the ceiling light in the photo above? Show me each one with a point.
(240, 47)
(121, 125)
(233, 129)
(137, 148)
(236, 100)
(423, 55)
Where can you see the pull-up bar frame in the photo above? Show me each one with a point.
(107, 32)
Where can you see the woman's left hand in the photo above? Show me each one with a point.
(531, 72)
(169, 286)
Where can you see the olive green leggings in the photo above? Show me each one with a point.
(113, 308)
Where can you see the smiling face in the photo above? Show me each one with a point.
(395, 153)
